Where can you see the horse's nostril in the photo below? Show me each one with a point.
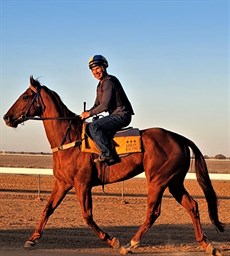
(6, 118)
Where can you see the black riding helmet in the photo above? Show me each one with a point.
(98, 60)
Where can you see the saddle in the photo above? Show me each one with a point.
(126, 141)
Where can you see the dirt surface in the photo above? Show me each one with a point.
(67, 234)
(23, 198)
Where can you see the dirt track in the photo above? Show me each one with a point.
(67, 234)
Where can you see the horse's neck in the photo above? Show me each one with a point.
(56, 129)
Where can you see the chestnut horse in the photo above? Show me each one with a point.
(165, 160)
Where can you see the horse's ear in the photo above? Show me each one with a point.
(35, 83)
(32, 81)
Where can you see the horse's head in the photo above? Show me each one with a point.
(28, 105)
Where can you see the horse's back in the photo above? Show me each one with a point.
(161, 136)
(158, 136)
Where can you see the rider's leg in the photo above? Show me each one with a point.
(103, 130)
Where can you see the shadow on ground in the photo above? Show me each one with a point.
(70, 238)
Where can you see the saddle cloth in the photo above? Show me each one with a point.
(126, 141)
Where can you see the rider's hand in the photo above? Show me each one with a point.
(85, 115)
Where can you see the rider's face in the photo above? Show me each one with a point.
(98, 72)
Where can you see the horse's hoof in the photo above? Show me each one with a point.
(29, 244)
(115, 243)
(216, 252)
(124, 250)
(213, 251)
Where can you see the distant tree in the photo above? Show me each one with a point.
(220, 156)
(206, 157)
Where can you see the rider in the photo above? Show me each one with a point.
(111, 98)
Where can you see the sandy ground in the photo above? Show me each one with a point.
(67, 234)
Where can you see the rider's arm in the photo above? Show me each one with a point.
(104, 95)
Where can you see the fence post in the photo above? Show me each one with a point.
(122, 193)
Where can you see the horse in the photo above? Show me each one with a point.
(165, 159)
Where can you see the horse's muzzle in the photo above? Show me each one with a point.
(10, 121)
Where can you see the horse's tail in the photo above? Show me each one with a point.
(206, 184)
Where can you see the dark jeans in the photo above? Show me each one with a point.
(103, 129)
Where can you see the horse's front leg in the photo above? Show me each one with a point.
(85, 199)
(59, 191)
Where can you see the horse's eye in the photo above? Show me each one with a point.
(25, 97)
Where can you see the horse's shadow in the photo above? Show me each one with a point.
(83, 238)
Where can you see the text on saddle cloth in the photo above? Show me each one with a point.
(126, 141)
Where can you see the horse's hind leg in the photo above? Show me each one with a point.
(183, 197)
(155, 193)
(59, 191)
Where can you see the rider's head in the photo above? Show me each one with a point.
(98, 65)
(98, 60)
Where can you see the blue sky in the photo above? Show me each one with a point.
(172, 58)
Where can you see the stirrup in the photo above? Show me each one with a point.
(100, 159)
(109, 160)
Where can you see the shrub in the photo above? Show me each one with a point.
(220, 156)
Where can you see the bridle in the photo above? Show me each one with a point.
(25, 117)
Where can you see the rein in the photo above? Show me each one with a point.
(52, 118)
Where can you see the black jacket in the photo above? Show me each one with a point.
(111, 98)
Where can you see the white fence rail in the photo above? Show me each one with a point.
(39, 172)
(32, 171)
